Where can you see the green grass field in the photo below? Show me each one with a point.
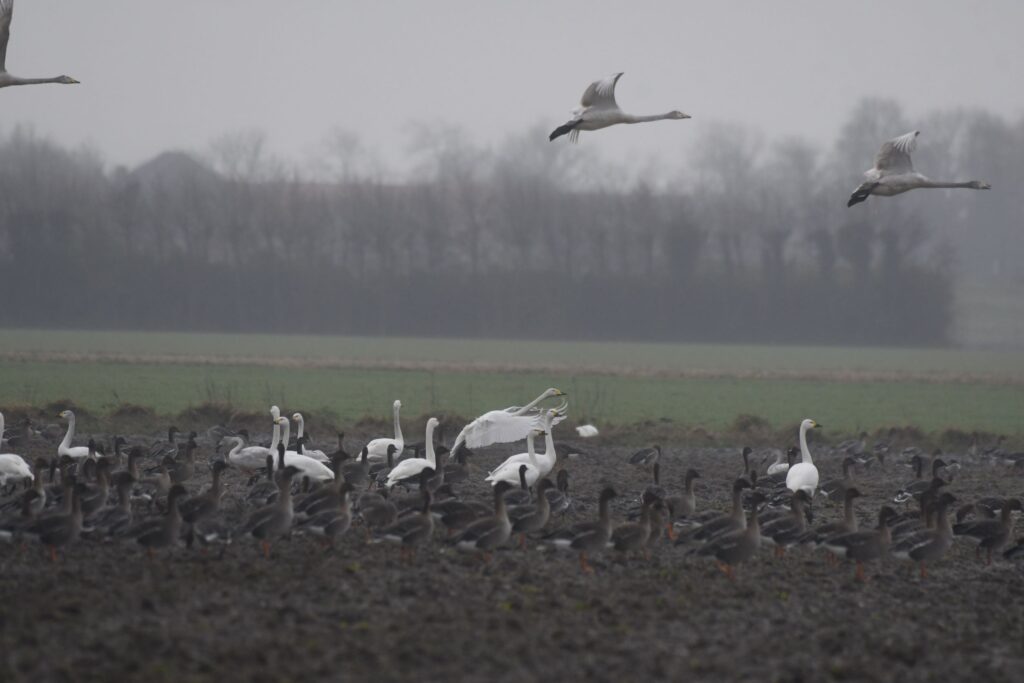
(692, 385)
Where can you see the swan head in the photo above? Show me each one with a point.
(65, 414)
(676, 114)
(297, 417)
(275, 412)
(978, 185)
(396, 405)
(432, 424)
(809, 424)
(67, 80)
(554, 392)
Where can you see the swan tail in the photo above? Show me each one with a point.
(861, 194)
(564, 129)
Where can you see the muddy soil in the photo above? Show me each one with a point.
(352, 613)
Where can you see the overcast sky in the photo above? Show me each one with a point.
(159, 75)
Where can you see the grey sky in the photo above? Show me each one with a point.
(158, 75)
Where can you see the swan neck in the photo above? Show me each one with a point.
(531, 449)
(431, 457)
(69, 434)
(398, 427)
(633, 118)
(300, 423)
(525, 409)
(275, 437)
(805, 453)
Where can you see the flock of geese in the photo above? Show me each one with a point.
(892, 174)
(405, 494)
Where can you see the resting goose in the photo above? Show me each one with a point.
(333, 521)
(789, 530)
(721, 524)
(992, 534)
(864, 546)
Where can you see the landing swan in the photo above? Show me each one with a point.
(505, 426)
(6, 79)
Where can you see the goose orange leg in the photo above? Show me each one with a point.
(924, 571)
(266, 548)
(671, 531)
(584, 567)
(860, 572)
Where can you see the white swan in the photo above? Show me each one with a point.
(6, 79)
(311, 452)
(544, 462)
(803, 476)
(587, 431)
(307, 466)
(411, 467)
(378, 448)
(12, 466)
(509, 471)
(893, 173)
(505, 426)
(598, 110)
(65, 447)
(247, 458)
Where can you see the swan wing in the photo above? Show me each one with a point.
(894, 157)
(601, 94)
(499, 426)
(406, 469)
(6, 12)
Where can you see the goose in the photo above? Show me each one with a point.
(205, 505)
(523, 495)
(114, 520)
(307, 466)
(411, 531)
(992, 534)
(7, 79)
(300, 423)
(682, 505)
(915, 488)
(821, 534)
(894, 173)
(274, 520)
(721, 524)
(332, 522)
(94, 496)
(929, 545)
(484, 535)
(65, 447)
(153, 534)
(833, 488)
(159, 449)
(458, 471)
(324, 498)
(646, 456)
(185, 467)
(378, 448)
(633, 536)
(587, 431)
(789, 530)
(409, 469)
(738, 545)
(376, 511)
(534, 517)
(598, 109)
(559, 498)
(57, 531)
(358, 473)
(589, 537)
(803, 476)
(509, 470)
(864, 546)
(505, 426)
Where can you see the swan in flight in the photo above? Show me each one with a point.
(6, 79)
(894, 172)
(598, 109)
(508, 425)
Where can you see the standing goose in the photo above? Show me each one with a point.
(721, 524)
(590, 537)
(634, 536)
(992, 534)
(683, 505)
(929, 545)
(205, 505)
(7, 79)
(789, 530)
(332, 522)
(411, 531)
(848, 525)
(358, 473)
(484, 535)
(893, 173)
(114, 520)
(737, 546)
(864, 546)
(57, 531)
(559, 498)
(153, 534)
(274, 520)
(160, 449)
(378, 448)
(598, 109)
(505, 426)
(833, 489)
(915, 488)
(530, 518)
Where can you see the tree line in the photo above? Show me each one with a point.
(523, 240)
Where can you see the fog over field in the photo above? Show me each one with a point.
(385, 169)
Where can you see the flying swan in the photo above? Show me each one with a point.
(6, 79)
(506, 426)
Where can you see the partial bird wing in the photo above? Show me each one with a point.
(6, 12)
(894, 157)
(601, 94)
(498, 426)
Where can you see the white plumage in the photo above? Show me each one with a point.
(411, 467)
(587, 431)
(803, 476)
(65, 447)
(378, 448)
(505, 426)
